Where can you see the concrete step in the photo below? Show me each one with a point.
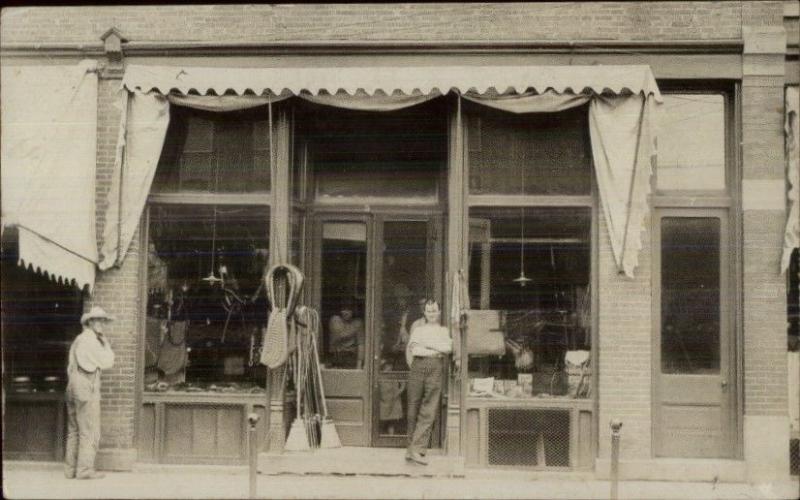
(359, 461)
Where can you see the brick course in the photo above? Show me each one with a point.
(411, 22)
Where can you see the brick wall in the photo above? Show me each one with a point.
(264, 23)
(764, 289)
(625, 354)
(116, 291)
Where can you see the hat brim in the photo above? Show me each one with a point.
(97, 316)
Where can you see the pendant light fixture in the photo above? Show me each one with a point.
(212, 278)
(522, 280)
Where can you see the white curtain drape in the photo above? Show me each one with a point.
(49, 142)
(142, 129)
(624, 152)
(791, 237)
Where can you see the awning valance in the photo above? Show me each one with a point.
(389, 80)
(49, 137)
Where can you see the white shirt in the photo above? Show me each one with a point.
(428, 340)
(89, 353)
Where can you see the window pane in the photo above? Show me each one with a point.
(553, 148)
(530, 338)
(344, 272)
(215, 152)
(691, 142)
(690, 295)
(206, 305)
(398, 154)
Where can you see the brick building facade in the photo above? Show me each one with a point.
(748, 49)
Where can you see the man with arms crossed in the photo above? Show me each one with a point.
(428, 347)
(89, 354)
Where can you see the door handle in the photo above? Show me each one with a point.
(724, 384)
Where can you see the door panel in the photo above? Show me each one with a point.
(343, 266)
(694, 414)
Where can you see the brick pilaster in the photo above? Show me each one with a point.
(763, 220)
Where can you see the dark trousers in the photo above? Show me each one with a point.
(424, 397)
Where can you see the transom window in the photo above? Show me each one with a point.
(215, 152)
(691, 142)
(552, 148)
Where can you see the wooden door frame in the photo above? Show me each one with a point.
(729, 345)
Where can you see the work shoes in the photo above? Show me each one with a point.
(91, 475)
(416, 458)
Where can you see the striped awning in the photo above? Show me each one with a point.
(406, 80)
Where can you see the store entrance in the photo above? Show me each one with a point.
(373, 270)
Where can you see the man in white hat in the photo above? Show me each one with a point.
(89, 354)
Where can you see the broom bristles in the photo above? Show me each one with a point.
(297, 440)
(329, 437)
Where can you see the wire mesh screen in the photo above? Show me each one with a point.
(794, 457)
(528, 437)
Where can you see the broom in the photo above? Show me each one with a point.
(298, 439)
(329, 437)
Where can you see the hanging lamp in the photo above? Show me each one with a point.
(212, 278)
(522, 280)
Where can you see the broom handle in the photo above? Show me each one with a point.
(319, 376)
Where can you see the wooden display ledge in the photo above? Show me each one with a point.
(555, 403)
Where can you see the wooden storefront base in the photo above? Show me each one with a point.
(34, 426)
(199, 428)
(581, 448)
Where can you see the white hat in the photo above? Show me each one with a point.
(96, 312)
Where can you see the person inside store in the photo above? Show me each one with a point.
(346, 349)
(428, 347)
(89, 354)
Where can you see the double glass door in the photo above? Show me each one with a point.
(373, 273)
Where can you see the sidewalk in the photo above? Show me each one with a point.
(39, 480)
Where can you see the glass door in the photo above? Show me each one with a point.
(342, 269)
(408, 271)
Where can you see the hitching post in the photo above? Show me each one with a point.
(616, 425)
(253, 418)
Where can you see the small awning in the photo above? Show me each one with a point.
(49, 138)
(390, 80)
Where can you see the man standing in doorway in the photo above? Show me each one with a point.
(89, 354)
(428, 348)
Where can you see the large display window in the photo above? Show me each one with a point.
(529, 332)
(206, 304)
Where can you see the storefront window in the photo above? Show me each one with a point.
(206, 304)
(39, 321)
(691, 142)
(215, 152)
(529, 332)
(553, 148)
